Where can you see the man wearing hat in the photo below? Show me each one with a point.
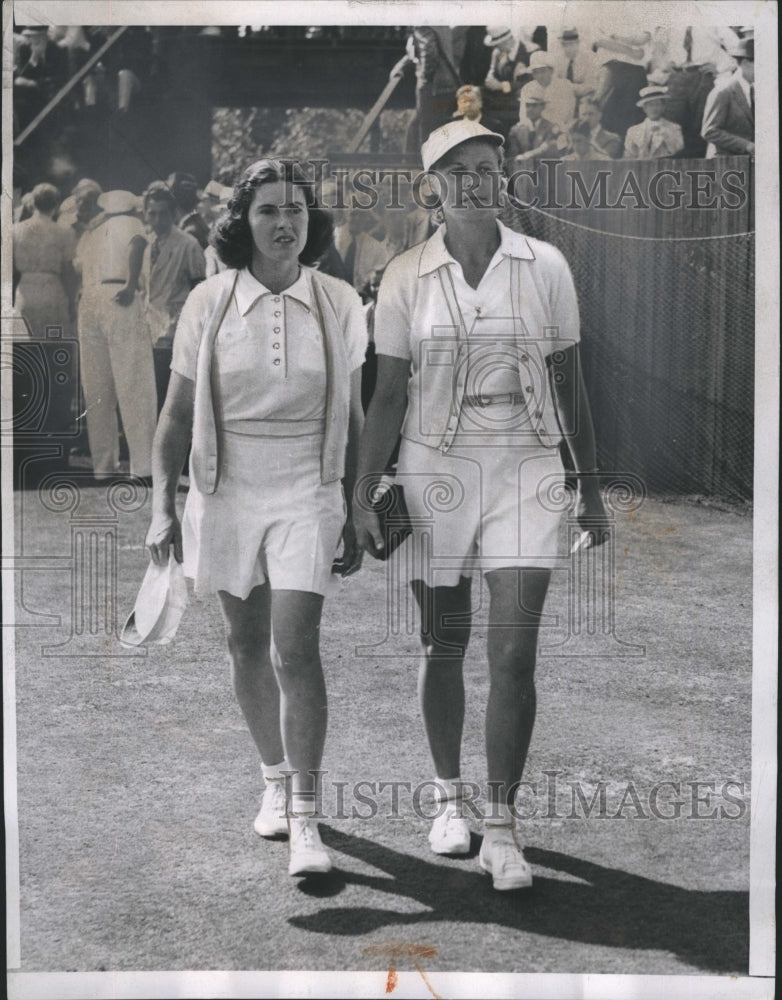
(115, 348)
(655, 137)
(559, 94)
(509, 59)
(729, 116)
(534, 135)
(576, 65)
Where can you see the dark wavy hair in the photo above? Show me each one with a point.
(231, 236)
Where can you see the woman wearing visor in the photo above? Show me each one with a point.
(477, 335)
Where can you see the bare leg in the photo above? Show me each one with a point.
(440, 678)
(516, 603)
(248, 627)
(296, 660)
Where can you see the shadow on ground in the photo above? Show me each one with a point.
(608, 907)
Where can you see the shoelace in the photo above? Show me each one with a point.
(305, 831)
(510, 854)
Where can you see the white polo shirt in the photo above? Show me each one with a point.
(269, 357)
(526, 278)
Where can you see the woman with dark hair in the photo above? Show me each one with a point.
(476, 333)
(43, 262)
(266, 373)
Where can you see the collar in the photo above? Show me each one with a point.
(435, 253)
(742, 82)
(162, 240)
(249, 290)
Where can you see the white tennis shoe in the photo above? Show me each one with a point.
(272, 820)
(308, 856)
(450, 833)
(504, 860)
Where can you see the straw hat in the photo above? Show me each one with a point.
(159, 606)
(653, 93)
(496, 36)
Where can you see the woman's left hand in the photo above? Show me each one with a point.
(352, 553)
(591, 515)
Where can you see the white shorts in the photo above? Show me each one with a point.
(481, 506)
(270, 519)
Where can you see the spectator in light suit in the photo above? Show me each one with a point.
(534, 135)
(655, 137)
(729, 116)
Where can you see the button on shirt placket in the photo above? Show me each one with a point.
(279, 335)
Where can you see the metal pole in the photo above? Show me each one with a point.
(69, 85)
(377, 107)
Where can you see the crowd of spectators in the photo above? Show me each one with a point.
(647, 95)
(114, 269)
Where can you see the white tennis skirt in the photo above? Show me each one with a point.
(483, 505)
(270, 519)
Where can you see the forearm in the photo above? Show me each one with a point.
(355, 426)
(381, 430)
(728, 142)
(169, 450)
(575, 414)
(135, 258)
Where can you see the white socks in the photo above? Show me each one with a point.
(301, 803)
(275, 772)
(448, 790)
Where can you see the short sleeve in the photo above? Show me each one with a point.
(130, 227)
(196, 262)
(564, 302)
(393, 312)
(356, 335)
(188, 333)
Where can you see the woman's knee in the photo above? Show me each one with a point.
(511, 657)
(248, 648)
(448, 644)
(295, 653)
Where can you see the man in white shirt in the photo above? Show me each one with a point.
(576, 65)
(115, 348)
(361, 253)
(560, 94)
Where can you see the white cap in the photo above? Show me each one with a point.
(447, 136)
(159, 607)
(118, 202)
(539, 59)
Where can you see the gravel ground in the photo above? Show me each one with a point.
(138, 782)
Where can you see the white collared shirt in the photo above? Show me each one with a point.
(413, 322)
(269, 355)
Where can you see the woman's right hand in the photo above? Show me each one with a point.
(164, 531)
(367, 527)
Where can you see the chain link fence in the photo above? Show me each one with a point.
(667, 320)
